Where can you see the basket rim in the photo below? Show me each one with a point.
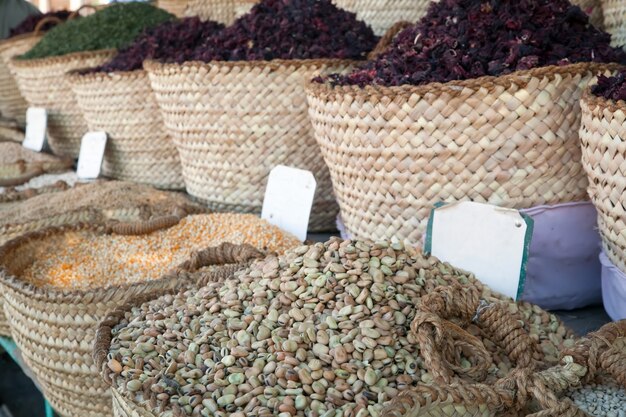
(602, 103)
(519, 78)
(6, 43)
(58, 59)
(77, 75)
(152, 65)
(53, 294)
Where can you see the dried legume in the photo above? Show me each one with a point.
(320, 331)
(85, 259)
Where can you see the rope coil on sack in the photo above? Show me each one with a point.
(458, 391)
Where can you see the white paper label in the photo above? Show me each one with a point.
(91, 154)
(36, 124)
(491, 242)
(288, 199)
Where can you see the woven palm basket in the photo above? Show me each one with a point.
(110, 203)
(394, 152)
(55, 329)
(598, 357)
(43, 84)
(603, 138)
(18, 164)
(548, 332)
(614, 12)
(244, 119)
(224, 11)
(382, 14)
(12, 104)
(123, 105)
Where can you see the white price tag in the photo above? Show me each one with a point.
(36, 124)
(91, 154)
(489, 241)
(288, 199)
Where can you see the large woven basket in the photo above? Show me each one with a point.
(138, 147)
(224, 11)
(43, 84)
(55, 329)
(614, 13)
(394, 152)
(244, 118)
(603, 137)
(12, 104)
(382, 14)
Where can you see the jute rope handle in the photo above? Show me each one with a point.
(42, 22)
(224, 254)
(387, 38)
(28, 172)
(12, 195)
(605, 349)
(143, 227)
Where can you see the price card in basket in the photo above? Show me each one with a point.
(288, 199)
(489, 241)
(91, 155)
(36, 125)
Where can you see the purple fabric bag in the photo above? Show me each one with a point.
(613, 289)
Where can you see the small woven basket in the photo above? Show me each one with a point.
(55, 329)
(382, 14)
(12, 104)
(394, 152)
(603, 138)
(123, 105)
(245, 118)
(43, 84)
(614, 13)
(527, 390)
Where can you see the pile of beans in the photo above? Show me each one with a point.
(320, 331)
(86, 260)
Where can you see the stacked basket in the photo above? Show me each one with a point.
(245, 118)
(123, 105)
(603, 136)
(43, 84)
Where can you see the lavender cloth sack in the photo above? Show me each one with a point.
(563, 270)
(613, 289)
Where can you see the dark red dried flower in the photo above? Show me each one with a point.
(291, 29)
(461, 39)
(30, 23)
(172, 41)
(611, 88)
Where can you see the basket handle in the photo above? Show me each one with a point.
(45, 20)
(441, 341)
(76, 12)
(26, 175)
(144, 227)
(387, 38)
(224, 254)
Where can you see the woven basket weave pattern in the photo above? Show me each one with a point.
(138, 147)
(56, 330)
(224, 11)
(43, 84)
(614, 13)
(12, 104)
(382, 14)
(234, 122)
(603, 137)
(394, 152)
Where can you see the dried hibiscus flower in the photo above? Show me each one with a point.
(611, 88)
(172, 41)
(462, 39)
(290, 29)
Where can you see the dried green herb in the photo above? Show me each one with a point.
(113, 27)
